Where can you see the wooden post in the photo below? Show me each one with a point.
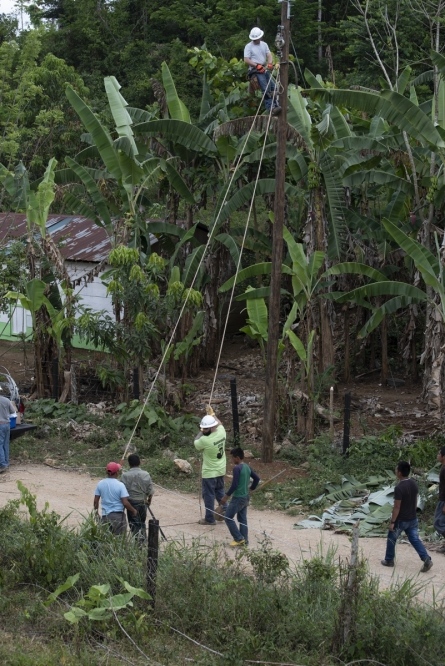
(235, 416)
(152, 558)
(270, 394)
(331, 413)
(136, 393)
(346, 423)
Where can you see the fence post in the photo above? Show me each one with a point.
(136, 394)
(152, 558)
(235, 416)
(346, 423)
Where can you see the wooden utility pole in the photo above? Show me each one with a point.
(270, 394)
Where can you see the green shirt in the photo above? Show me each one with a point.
(138, 483)
(213, 453)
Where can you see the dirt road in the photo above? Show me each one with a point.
(71, 493)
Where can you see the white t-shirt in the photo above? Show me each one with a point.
(257, 52)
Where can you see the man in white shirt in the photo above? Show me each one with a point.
(259, 58)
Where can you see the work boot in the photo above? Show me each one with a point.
(387, 563)
(427, 564)
(203, 521)
(276, 110)
(235, 544)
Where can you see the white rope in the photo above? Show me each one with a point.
(210, 238)
(238, 265)
(251, 529)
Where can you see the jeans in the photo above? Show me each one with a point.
(266, 82)
(137, 523)
(410, 527)
(237, 506)
(212, 489)
(4, 444)
(439, 519)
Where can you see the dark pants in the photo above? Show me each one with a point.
(238, 507)
(116, 522)
(137, 523)
(439, 519)
(212, 489)
(410, 527)
(267, 85)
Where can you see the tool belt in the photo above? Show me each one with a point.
(253, 82)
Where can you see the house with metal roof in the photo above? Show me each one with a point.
(83, 244)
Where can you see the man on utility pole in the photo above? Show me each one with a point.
(259, 58)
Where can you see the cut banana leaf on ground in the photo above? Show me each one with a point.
(353, 500)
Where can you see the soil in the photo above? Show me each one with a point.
(71, 494)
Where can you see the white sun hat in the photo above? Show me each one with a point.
(256, 33)
(208, 422)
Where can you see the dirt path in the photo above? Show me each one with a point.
(72, 493)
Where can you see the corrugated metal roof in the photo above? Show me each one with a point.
(79, 238)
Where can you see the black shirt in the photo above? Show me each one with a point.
(406, 491)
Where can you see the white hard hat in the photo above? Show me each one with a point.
(256, 33)
(208, 422)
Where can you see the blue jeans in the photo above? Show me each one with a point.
(237, 506)
(212, 489)
(439, 519)
(4, 444)
(410, 527)
(267, 83)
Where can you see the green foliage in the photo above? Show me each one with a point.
(420, 453)
(98, 604)
(268, 564)
(152, 418)
(50, 408)
(376, 453)
(37, 553)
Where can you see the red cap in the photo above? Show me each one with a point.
(113, 467)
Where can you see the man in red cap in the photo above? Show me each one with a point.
(114, 497)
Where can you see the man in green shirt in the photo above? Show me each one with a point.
(239, 494)
(212, 442)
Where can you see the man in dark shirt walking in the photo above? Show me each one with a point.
(439, 516)
(239, 490)
(404, 518)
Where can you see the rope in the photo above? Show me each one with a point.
(210, 238)
(238, 265)
(251, 529)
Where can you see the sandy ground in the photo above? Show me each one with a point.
(70, 493)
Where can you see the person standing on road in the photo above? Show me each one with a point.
(140, 490)
(239, 494)
(6, 409)
(259, 58)
(404, 518)
(212, 442)
(114, 497)
(439, 516)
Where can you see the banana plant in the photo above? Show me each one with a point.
(402, 294)
(127, 169)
